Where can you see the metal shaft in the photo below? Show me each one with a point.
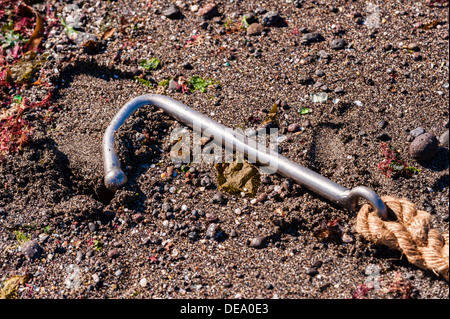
(115, 177)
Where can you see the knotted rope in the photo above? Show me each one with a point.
(411, 234)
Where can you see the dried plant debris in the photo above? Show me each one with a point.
(23, 71)
(9, 287)
(329, 231)
(237, 178)
(393, 164)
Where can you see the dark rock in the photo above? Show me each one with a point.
(383, 137)
(266, 180)
(206, 181)
(271, 18)
(31, 249)
(193, 235)
(305, 80)
(312, 37)
(318, 264)
(138, 217)
(424, 147)
(218, 198)
(172, 12)
(250, 17)
(338, 44)
(382, 124)
(268, 286)
(187, 66)
(287, 185)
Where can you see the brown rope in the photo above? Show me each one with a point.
(411, 234)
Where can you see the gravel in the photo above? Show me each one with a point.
(53, 188)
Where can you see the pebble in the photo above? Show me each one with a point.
(208, 11)
(305, 80)
(382, 124)
(317, 264)
(79, 257)
(206, 181)
(187, 66)
(443, 139)
(258, 242)
(266, 180)
(218, 198)
(287, 185)
(271, 18)
(173, 85)
(96, 278)
(143, 282)
(193, 235)
(424, 147)
(211, 218)
(416, 132)
(138, 217)
(312, 37)
(268, 285)
(413, 47)
(319, 73)
(166, 207)
(339, 90)
(255, 29)
(31, 249)
(338, 44)
(172, 12)
(113, 253)
(214, 231)
(417, 56)
(346, 238)
(295, 127)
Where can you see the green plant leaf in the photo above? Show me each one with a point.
(304, 110)
(150, 64)
(244, 23)
(197, 83)
(71, 32)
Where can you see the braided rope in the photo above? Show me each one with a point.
(411, 234)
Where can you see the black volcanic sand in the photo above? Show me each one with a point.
(141, 241)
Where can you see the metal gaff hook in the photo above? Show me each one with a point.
(115, 177)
